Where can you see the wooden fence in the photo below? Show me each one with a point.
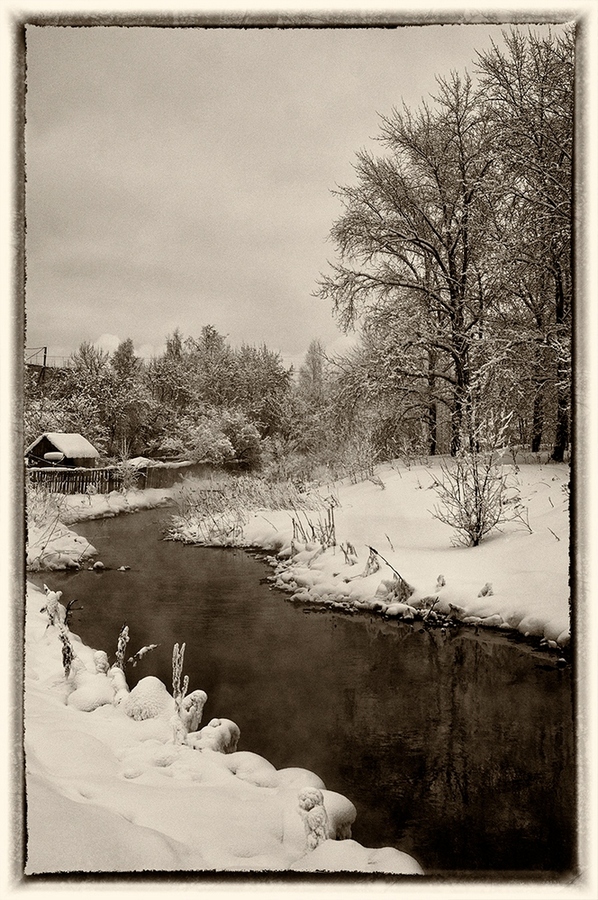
(77, 481)
(61, 480)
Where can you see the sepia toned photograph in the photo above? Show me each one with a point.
(301, 448)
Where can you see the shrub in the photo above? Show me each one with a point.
(244, 438)
(473, 491)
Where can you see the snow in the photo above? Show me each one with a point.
(78, 507)
(349, 856)
(110, 789)
(51, 545)
(517, 579)
(139, 462)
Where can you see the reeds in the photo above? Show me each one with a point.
(216, 512)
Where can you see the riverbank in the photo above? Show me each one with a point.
(127, 797)
(117, 781)
(53, 546)
(517, 579)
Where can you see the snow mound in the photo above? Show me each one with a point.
(94, 691)
(66, 836)
(148, 699)
(349, 856)
(220, 735)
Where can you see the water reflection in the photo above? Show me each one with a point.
(455, 748)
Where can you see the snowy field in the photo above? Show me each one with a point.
(117, 780)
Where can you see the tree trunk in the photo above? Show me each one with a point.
(432, 407)
(562, 297)
(562, 417)
(537, 419)
(432, 428)
(460, 419)
(456, 424)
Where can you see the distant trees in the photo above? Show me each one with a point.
(314, 409)
(200, 399)
(454, 253)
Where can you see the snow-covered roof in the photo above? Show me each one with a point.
(139, 462)
(73, 445)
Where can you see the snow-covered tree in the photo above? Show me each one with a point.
(527, 89)
(454, 253)
(412, 241)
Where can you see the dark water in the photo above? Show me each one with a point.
(457, 749)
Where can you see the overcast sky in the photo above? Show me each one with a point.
(183, 177)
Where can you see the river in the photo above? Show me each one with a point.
(457, 748)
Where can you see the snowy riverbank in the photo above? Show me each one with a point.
(52, 545)
(516, 579)
(114, 786)
(126, 795)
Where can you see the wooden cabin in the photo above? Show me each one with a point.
(56, 448)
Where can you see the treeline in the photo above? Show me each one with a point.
(200, 399)
(204, 400)
(454, 256)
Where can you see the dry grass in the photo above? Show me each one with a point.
(217, 511)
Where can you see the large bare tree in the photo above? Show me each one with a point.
(527, 87)
(413, 243)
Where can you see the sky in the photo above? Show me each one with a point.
(184, 177)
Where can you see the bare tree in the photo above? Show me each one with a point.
(527, 88)
(413, 244)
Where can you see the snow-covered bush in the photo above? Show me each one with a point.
(128, 476)
(212, 436)
(121, 647)
(219, 735)
(188, 707)
(199, 438)
(148, 699)
(92, 689)
(314, 815)
(190, 713)
(54, 609)
(119, 683)
(473, 490)
(210, 444)
(244, 438)
(100, 658)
